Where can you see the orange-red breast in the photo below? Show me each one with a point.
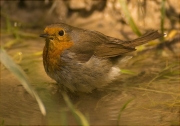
(82, 60)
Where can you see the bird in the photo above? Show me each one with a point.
(82, 60)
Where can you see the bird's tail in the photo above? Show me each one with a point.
(148, 36)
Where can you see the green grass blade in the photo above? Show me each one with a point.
(21, 76)
(125, 71)
(77, 114)
(2, 123)
(8, 25)
(162, 15)
(122, 109)
(128, 17)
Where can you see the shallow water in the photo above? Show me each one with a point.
(147, 96)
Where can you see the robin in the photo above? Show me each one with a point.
(82, 60)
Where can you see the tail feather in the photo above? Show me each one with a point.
(148, 36)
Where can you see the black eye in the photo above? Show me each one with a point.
(61, 32)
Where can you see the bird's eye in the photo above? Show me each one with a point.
(61, 33)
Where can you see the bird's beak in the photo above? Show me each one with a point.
(44, 35)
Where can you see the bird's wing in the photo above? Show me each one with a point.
(97, 44)
(107, 50)
(116, 47)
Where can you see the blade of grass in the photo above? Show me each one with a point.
(15, 32)
(129, 18)
(21, 76)
(63, 117)
(77, 114)
(156, 91)
(125, 71)
(8, 25)
(122, 109)
(161, 73)
(2, 123)
(11, 43)
(162, 15)
(39, 53)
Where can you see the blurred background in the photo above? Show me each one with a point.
(147, 92)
